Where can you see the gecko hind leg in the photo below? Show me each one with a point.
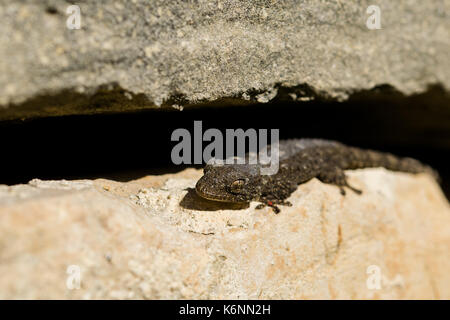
(337, 177)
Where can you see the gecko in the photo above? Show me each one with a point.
(300, 160)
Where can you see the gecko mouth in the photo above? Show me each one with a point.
(214, 197)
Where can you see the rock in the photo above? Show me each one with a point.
(153, 238)
(129, 57)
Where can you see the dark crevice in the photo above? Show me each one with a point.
(51, 10)
(127, 146)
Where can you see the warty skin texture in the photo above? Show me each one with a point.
(300, 161)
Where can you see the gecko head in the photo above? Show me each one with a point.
(229, 183)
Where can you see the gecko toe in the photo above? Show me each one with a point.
(272, 204)
(357, 191)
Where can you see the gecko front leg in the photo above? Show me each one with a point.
(273, 204)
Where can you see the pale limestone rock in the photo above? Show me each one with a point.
(153, 238)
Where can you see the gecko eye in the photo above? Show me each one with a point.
(238, 184)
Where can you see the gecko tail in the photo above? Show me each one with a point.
(389, 161)
(415, 166)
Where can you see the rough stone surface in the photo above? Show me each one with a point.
(153, 238)
(144, 54)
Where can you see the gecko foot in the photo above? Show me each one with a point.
(275, 209)
(273, 204)
(342, 189)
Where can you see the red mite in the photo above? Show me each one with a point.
(269, 203)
